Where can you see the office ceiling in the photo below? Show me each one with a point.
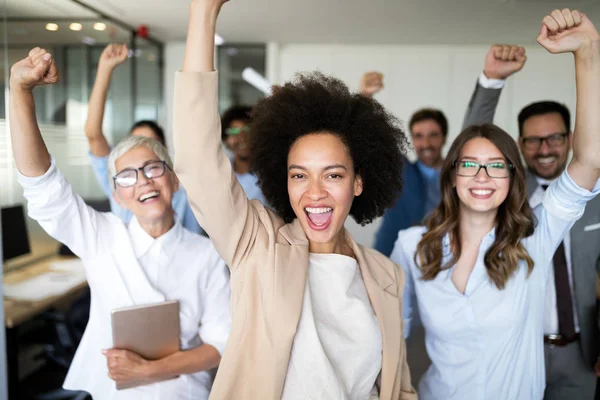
(330, 21)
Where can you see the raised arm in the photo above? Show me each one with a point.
(50, 198)
(501, 61)
(571, 31)
(216, 197)
(30, 152)
(111, 57)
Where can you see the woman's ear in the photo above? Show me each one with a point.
(358, 185)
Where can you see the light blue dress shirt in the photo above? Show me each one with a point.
(183, 211)
(249, 183)
(488, 343)
(431, 176)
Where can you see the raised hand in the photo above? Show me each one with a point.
(371, 83)
(36, 69)
(502, 61)
(567, 31)
(113, 55)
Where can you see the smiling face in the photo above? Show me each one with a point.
(321, 187)
(547, 160)
(149, 199)
(428, 141)
(480, 193)
(238, 142)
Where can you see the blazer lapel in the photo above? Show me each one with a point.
(383, 293)
(290, 276)
(530, 183)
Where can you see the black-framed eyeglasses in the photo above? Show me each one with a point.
(496, 170)
(535, 142)
(129, 177)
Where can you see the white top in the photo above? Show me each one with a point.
(125, 267)
(488, 343)
(550, 309)
(337, 348)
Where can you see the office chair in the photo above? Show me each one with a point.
(68, 328)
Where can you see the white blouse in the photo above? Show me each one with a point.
(337, 348)
(124, 267)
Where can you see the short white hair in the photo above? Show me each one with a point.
(130, 143)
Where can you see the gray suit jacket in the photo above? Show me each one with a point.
(585, 237)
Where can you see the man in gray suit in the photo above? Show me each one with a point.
(571, 314)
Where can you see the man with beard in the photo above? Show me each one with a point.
(429, 128)
(571, 315)
(234, 131)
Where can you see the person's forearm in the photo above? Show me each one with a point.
(586, 139)
(201, 358)
(199, 47)
(29, 150)
(93, 126)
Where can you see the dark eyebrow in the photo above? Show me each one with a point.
(334, 166)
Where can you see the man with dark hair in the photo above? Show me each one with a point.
(421, 194)
(571, 314)
(234, 134)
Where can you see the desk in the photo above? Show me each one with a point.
(17, 312)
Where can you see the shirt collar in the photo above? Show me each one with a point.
(142, 241)
(541, 181)
(428, 171)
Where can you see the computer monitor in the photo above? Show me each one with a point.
(15, 241)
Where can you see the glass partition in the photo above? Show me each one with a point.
(76, 37)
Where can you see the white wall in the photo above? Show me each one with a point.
(415, 76)
(438, 76)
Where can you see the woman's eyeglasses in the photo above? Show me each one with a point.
(236, 131)
(496, 170)
(129, 177)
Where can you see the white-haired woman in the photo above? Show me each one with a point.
(150, 260)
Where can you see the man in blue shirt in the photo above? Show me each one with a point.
(112, 56)
(421, 194)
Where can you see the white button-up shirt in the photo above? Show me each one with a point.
(550, 307)
(488, 343)
(125, 266)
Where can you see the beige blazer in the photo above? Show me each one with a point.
(268, 261)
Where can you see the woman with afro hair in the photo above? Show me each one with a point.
(315, 315)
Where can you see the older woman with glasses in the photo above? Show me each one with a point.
(149, 260)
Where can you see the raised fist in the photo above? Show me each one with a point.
(113, 55)
(502, 61)
(567, 31)
(36, 69)
(371, 83)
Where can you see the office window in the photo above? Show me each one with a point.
(61, 109)
(232, 59)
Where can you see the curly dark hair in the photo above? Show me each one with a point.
(313, 103)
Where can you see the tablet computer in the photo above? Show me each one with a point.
(150, 330)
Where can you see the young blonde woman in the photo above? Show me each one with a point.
(315, 315)
(478, 270)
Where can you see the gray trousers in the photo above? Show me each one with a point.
(568, 377)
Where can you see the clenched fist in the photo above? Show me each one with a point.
(36, 69)
(502, 61)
